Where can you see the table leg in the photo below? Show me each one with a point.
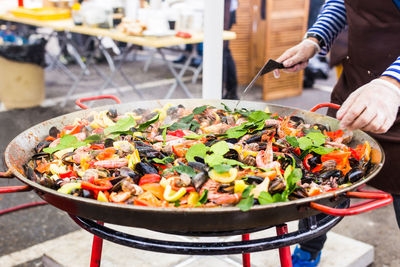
(284, 252)
(246, 256)
(176, 75)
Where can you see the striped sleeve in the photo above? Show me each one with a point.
(330, 22)
(394, 70)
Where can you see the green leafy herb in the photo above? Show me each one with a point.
(305, 143)
(179, 125)
(184, 169)
(164, 135)
(247, 201)
(177, 203)
(235, 132)
(220, 148)
(265, 198)
(66, 141)
(203, 198)
(257, 116)
(243, 111)
(292, 176)
(322, 150)
(199, 110)
(187, 118)
(146, 124)
(194, 125)
(292, 141)
(247, 191)
(164, 161)
(198, 150)
(226, 108)
(194, 136)
(221, 168)
(92, 138)
(214, 159)
(121, 125)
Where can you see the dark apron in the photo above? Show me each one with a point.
(374, 44)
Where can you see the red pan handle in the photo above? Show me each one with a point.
(377, 200)
(12, 189)
(325, 105)
(83, 106)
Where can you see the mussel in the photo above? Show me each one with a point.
(296, 121)
(41, 155)
(128, 172)
(298, 193)
(112, 113)
(320, 127)
(232, 154)
(198, 180)
(231, 140)
(198, 166)
(331, 173)
(199, 159)
(67, 158)
(250, 160)
(108, 142)
(226, 188)
(53, 132)
(42, 145)
(253, 179)
(352, 176)
(277, 185)
(145, 168)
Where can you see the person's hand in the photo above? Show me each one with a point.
(372, 107)
(297, 57)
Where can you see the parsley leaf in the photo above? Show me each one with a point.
(92, 138)
(221, 168)
(199, 110)
(226, 107)
(220, 148)
(265, 198)
(203, 198)
(305, 143)
(247, 201)
(258, 116)
(66, 141)
(198, 150)
(194, 136)
(164, 161)
(146, 124)
(121, 125)
(292, 141)
(184, 169)
(322, 150)
(214, 159)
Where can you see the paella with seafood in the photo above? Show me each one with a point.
(202, 157)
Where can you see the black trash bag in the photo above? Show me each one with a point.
(27, 53)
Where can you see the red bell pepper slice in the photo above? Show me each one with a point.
(106, 154)
(297, 151)
(179, 150)
(67, 174)
(138, 202)
(149, 178)
(305, 161)
(99, 185)
(177, 133)
(97, 146)
(335, 134)
(50, 138)
(190, 189)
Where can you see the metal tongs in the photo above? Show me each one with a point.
(269, 66)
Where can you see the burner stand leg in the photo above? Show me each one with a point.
(97, 248)
(246, 256)
(284, 252)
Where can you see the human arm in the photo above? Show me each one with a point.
(373, 107)
(329, 24)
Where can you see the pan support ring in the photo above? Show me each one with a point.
(313, 228)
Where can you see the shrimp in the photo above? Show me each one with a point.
(216, 128)
(111, 163)
(265, 157)
(219, 198)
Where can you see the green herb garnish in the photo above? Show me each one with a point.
(66, 141)
(146, 124)
(122, 125)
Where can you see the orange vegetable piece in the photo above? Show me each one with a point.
(155, 188)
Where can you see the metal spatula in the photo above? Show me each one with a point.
(269, 66)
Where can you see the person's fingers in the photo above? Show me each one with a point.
(276, 73)
(365, 119)
(376, 124)
(346, 106)
(386, 126)
(351, 114)
(287, 54)
(295, 60)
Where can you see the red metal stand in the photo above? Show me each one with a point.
(246, 256)
(284, 253)
(97, 248)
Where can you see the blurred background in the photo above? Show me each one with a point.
(54, 52)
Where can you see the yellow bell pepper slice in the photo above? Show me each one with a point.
(171, 196)
(67, 188)
(226, 177)
(240, 186)
(193, 198)
(102, 197)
